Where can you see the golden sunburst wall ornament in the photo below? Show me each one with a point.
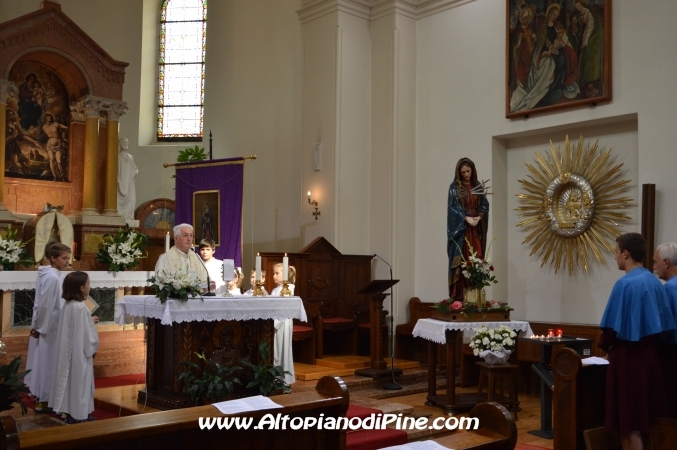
(572, 205)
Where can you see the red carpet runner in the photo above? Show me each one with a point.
(371, 439)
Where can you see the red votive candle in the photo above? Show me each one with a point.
(559, 332)
(551, 332)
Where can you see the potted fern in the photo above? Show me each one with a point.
(12, 387)
(269, 379)
(214, 383)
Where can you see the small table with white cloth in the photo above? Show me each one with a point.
(177, 331)
(441, 332)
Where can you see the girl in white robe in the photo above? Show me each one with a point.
(73, 384)
(42, 344)
(252, 282)
(284, 328)
(235, 285)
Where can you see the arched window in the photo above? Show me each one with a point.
(183, 30)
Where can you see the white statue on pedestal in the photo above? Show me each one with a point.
(127, 172)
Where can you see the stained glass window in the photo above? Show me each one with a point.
(183, 28)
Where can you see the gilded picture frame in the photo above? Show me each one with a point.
(207, 216)
(558, 55)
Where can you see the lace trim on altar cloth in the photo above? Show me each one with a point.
(434, 330)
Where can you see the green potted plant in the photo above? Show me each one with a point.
(12, 386)
(269, 379)
(213, 383)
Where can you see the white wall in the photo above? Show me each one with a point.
(460, 110)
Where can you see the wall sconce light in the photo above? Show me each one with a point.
(314, 203)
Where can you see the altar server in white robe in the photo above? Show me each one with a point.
(72, 390)
(214, 266)
(284, 328)
(235, 285)
(45, 323)
(181, 257)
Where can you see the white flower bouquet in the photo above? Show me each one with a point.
(179, 285)
(123, 249)
(495, 343)
(13, 252)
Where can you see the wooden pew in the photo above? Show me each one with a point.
(496, 430)
(416, 349)
(307, 336)
(579, 399)
(180, 428)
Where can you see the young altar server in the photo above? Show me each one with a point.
(41, 357)
(214, 266)
(72, 390)
(235, 285)
(635, 316)
(284, 328)
(252, 281)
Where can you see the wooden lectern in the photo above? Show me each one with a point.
(378, 367)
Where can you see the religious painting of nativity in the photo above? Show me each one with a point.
(558, 54)
(37, 125)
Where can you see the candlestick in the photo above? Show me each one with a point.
(167, 242)
(285, 292)
(258, 266)
(258, 292)
(285, 267)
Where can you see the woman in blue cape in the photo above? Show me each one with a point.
(467, 222)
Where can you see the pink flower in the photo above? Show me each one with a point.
(456, 305)
(493, 301)
(444, 302)
(491, 268)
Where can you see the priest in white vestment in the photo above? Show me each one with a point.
(182, 257)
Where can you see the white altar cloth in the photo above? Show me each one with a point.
(211, 309)
(14, 280)
(434, 330)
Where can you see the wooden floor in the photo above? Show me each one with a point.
(341, 366)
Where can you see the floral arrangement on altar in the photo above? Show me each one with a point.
(122, 250)
(179, 285)
(13, 252)
(478, 270)
(447, 305)
(493, 344)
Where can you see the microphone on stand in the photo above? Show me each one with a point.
(209, 292)
(391, 386)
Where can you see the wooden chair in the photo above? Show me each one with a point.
(497, 430)
(340, 334)
(364, 333)
(307, 336)
(492, 377)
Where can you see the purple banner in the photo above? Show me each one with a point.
(209, 197)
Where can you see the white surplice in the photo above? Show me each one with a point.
(41, 358)
(73, 384)
(175, 260)
(283, 334)
(215, 268)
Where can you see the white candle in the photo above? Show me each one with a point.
(285, 268)
(258, 267)
(167, 242)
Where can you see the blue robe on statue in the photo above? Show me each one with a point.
(635, 316)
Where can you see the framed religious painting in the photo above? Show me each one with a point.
(558, 55)
(206, 215)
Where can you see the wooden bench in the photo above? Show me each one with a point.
(496, 430)
(180, 428)
(416, 349)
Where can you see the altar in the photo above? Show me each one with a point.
(441, 332)
(177, 331)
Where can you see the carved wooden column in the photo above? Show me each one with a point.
(7, 89)
(92, 107)
(114, 110)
